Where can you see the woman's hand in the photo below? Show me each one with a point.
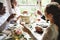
(29, 32)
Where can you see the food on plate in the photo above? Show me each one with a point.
(39, 30)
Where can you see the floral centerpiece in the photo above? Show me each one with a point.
(17, 34)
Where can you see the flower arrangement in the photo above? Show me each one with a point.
(17, 34)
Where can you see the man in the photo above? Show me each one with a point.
(3, 17)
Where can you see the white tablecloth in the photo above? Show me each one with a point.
(36, 35)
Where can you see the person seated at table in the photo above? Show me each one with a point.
(2, 12)
(52, 13)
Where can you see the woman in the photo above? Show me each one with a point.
(52, 13)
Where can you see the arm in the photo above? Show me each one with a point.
(29, 32)
(48, 35)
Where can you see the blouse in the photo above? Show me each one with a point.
(52, 33)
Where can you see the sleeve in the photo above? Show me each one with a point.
(4, 18)
(48, 35)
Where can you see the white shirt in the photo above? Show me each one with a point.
(3, 18)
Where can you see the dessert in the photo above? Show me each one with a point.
(39, 30)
